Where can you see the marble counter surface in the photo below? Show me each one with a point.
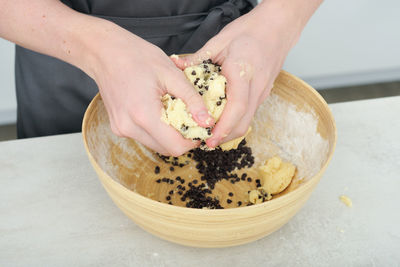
(54, 211)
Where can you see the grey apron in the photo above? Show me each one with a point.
(52, 95)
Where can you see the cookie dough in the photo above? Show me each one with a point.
(176, 115)
(276, 175)
(210, 84)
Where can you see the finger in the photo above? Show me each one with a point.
(183, 62)
(211, 50)
(178, 86)
(166, 135)
(237, 102)
(265, 94)
(254, 102)
(131, 130)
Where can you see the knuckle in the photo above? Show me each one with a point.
(241, 130)
(240, 108)
(176, 151)
(124, 129)
(115, 129)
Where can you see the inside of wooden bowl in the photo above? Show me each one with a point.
(294, 123)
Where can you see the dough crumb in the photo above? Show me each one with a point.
(276, 176)
(346, 200)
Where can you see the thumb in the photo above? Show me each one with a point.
(178, 86)
(185, 61)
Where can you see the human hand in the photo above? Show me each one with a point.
(132, 76)
(251, 51)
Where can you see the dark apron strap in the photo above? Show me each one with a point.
(52, 95)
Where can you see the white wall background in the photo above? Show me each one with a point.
(8, 103)
(345, 43)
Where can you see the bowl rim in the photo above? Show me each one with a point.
(271, 203)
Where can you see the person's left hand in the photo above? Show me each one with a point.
(251, 51)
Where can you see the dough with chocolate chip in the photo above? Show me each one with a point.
(210, 84)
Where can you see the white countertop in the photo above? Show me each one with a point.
(54, 211)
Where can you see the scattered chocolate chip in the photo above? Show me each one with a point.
(171, 169)
(171, 192)
(229, 201)
(219, 103)
(193, 72)
(168, 198)
(158, 181)
(249, 179)
(195, 181)
(173, 97)
(157, 170)
(239, 203)
(206, 87)
(230, 194)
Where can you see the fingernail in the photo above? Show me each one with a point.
(203, 116)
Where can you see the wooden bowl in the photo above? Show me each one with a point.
(126, 170)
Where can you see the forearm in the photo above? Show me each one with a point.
(50, 27)
(288, 17)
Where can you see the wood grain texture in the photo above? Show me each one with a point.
(128, 177)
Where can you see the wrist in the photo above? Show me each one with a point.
(282, 19)
(90, 43)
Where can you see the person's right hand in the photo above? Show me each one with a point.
(132, 76)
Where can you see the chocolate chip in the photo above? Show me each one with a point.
(219, 103)
(173, 97)
(193, 72)
(239, 203)
(206, 87)
(158, 181)
(171, 169)
(168, 198)
(229, 201)
(157, 170)
(230, 194)
(171, 192)
(249, 179)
